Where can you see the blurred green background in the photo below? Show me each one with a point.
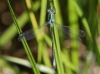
(78, 56)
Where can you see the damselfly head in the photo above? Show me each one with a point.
(51, 11)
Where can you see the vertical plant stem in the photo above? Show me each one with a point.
(42, 53)
(93, 27)
(43, 11)
(28, 52)
(28, 4)
(55, 42)
(46, 59)
(14, 18)
(12, 31)
(30, 57)
(73, 21)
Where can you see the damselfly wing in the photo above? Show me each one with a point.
(29, 34)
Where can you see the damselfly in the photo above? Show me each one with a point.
(30, 33)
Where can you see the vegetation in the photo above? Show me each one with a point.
(76, 49)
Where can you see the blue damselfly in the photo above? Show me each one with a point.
(65, 29)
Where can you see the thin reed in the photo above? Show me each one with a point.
(62, 50)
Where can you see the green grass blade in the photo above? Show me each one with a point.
(42, 21)
(58, 16)
(43, 11)
(48, 40)
(58, 55)
(67, 63)
(28, 5)
(84, 21)
(27, 64)
(14, 18)
(73, 22)
(12, 31)
(28, 52)
(57, 50)
(93, 27)
(92, 42)
(46, 59)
